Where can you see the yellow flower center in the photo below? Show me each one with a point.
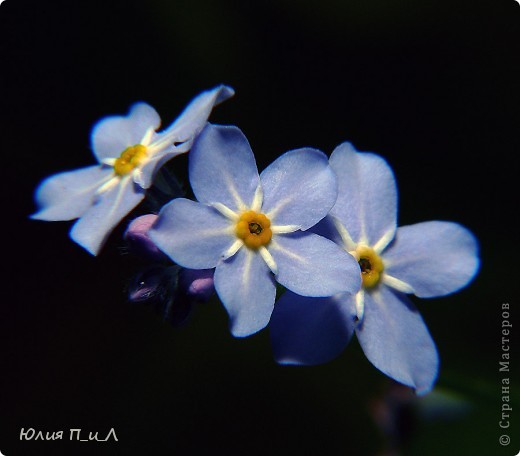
(370, 264)
(254, 229)
(129, 159)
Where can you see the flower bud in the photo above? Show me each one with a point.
(138, 241)
(150, 284)
(197, 283)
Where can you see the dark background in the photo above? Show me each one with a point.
(434, 87)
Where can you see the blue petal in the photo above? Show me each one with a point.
(299, 188)
(326, 228)
(93, 228)
(69, 195)
(187, 126)
(396, 341)
(195, 115)
(311, 265)
(222, 168)
(367, 195)
(246, 287)
(192, 234)
(307, 331)
(113, 134)
(434, 258)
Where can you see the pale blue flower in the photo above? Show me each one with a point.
(250, 227)
(129, 153)
(426, 259)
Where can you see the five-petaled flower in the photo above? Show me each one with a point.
(129, 152)
(250, 227)
(426, 259)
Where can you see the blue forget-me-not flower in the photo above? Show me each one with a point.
(251, 227)
(426, 259)
(129, 153)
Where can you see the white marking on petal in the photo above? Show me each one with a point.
(397, 284)
(281, 203)
(112, 181)
(360, 305)
(380, 245)
(269, 260)
(225, 211)
(247, 269)
(137, 174)
(363, 238)
(258, 199)
(123, 182)
(100, 183)
(238, 200)
(230, 230)
(163, 140)
(275, 245)
(147, 136)
(213, 232)
(348, 242)
(235, 247)
(109, 162)
(284, 229)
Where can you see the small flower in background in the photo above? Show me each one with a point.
(172, 290)
(394, 412)
(158, 286)
(138, 241)
(250, 227)
(400, 414)
(197, 283)
(129, 152)
(426, 259)
(153, 283)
